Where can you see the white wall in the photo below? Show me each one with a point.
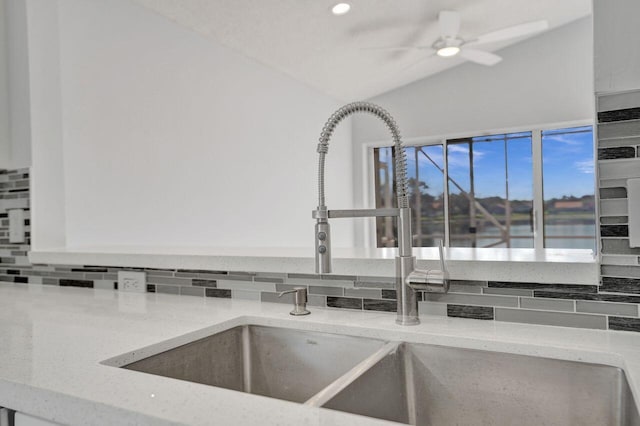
(45, 126)
(15, 139)
(546, 79)
(170, 139)
(617, 41)
(19, 94)
(4, 90)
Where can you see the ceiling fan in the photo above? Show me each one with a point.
(450, 43)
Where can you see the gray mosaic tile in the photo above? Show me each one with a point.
(624, 114)
(563, 319)
(474, 312)
(621, 298)
(204, 283)
(577, 288)
(615, 153)
(374, 284)
(344, 302)
(245, 295)
(167, 289)
(614, 207)
(246, 285)
(317, 300)
(76, 283)
(216, 292)
(615, 101)
(472, 299)
(304, 276)
(326, 291)
(612, 220)
(621, 271)
(547, 304)
(270, 275)
(380, 305)
(338, 277)
(158, 273)
(619, 129)
(104, 284)
(192, 291)
(619, 259)
(620, 285)
(268, 280)
(363, 292)
(624, 324)
(618, 246)
(168, 280)
(508, 291)
(270, 297)
(432, 308)
(608, 308)
(305, 281)
(465, 288)
(615, 142)
(614, 230)
(617, 192)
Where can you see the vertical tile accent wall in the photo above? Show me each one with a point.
(14, 194)
(618, 144)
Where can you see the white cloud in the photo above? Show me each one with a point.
(584, 166)
(565, 139)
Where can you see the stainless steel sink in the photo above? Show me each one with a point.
(432, 385)
(409, 383)
(276, 362)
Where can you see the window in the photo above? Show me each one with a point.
(568, 187)
(485, 191)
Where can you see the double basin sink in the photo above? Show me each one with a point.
(404, 382)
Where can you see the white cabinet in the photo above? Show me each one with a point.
(616, 39)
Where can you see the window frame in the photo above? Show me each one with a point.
(369, 190)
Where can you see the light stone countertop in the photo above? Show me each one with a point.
(558, 266)
(53, 340)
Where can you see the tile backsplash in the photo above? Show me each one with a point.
(612, 305)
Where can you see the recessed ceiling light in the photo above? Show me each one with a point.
(340, 8)
(448, 51)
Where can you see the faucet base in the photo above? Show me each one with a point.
(407, 321)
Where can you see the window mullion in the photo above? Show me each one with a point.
(445, 192)
(538, 196)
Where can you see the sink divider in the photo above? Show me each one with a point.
(246, 356)
(326, 394)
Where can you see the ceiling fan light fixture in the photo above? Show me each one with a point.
(447, 47)
(341, 8)
(448, 51)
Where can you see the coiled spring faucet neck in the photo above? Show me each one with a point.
(400, 169)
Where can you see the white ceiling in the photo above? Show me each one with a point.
(302, 39)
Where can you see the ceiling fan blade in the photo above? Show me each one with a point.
(415, 64)
(396, 48)
(449, 23)
(512, 32)
(480, 56)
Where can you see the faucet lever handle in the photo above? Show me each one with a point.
(443, 266)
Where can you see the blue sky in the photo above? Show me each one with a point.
(567, 165)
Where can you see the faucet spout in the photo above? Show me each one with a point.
(408, 278)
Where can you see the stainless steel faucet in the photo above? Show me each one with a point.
(409, 279)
